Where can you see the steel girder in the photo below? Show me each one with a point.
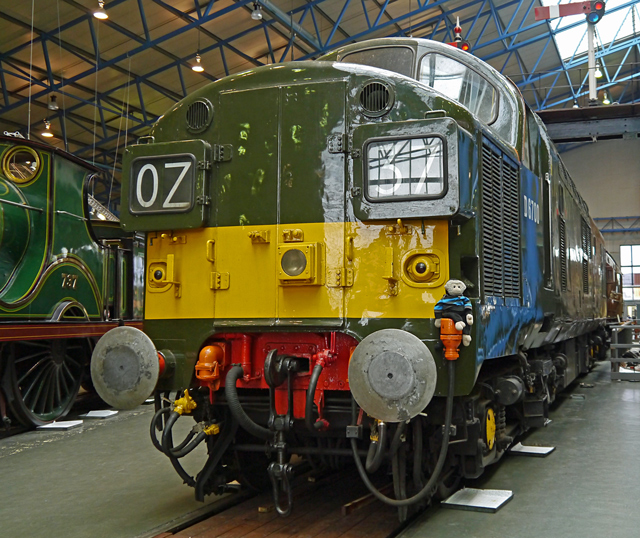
(493, 27)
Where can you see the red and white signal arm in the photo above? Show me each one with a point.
(594, 10)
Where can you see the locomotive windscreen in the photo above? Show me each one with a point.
(459, 82)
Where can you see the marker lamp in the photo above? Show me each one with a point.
(293, 262)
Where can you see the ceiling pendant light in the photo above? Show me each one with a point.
(53, 104)
(47, 129)
(256, 14)
(606, 100)
(99, 12)
(598, 72)
(197, 67)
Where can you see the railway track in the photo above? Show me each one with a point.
(335, 506)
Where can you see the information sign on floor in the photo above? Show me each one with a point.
(479, 500)
(538, 451)
(100, 413)
(61, 425)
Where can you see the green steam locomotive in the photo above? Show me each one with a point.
(68, 274)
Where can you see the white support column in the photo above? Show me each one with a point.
(593, 91)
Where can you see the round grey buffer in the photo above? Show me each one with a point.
(392, 375)
(124, 367)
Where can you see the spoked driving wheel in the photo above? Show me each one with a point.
(42, 377)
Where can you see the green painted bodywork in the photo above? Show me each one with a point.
(15, 231)
(49, 254)
(278, 120)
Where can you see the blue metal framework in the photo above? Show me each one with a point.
(502, 32)
(618, 224)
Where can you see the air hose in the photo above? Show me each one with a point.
(311, 391)
(426, 490)
(167, 444)
(238, 413)
(188, 445)
(155, 426)
(167, 435)
(376, 449)
(397, 438)
(183, 448)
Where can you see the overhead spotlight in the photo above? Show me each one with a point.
(606, 100)
(47, 129)
(575, 104)
(53, 105)
(598, 72)
(197, 67)
(99, 12)
(256, 14)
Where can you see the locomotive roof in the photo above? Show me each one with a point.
(46, 147)
(502, 123)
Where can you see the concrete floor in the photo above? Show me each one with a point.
(103, 479)
(107, 480)
(589, 487)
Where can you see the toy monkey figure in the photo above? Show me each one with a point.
(454, 305)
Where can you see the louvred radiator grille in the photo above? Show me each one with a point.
(500, 212)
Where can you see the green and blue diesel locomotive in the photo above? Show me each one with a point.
(65, 279)
(302, 220)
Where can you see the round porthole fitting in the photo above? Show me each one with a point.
(21, 164)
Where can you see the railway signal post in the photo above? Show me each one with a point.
(594, 11)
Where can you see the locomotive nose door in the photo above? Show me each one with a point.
(246, 184)
(280, 205)
(310, 261)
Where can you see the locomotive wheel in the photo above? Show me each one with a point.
(42, 378)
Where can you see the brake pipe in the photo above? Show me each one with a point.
(154, 425)
(397, 438)
(167, 446)
(326, 356)
(152, 431)
(311, 391)
(235, 407)
(375, 455)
